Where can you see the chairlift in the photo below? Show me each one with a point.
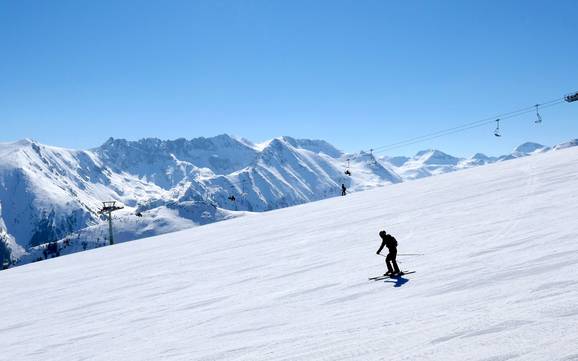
(347, 171)
(497, 130)
(538, 116)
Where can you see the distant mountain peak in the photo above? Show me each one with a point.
(434, 156)
(26, 142)
(529, 147)
(480, 156)
(423, 152)
(396, 161)
(313, 145)
(568, 144)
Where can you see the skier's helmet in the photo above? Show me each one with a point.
(382, 233)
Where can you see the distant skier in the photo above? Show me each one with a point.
(387, 240)
(343, 189)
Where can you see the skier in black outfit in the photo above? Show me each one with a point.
(387, 240)
(343, 189)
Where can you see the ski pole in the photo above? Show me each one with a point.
(405, 254)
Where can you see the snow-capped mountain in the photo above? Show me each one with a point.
(279, 173)
(430, 162)
(166, 163)
(50, 194)
(427, 163)
(47, 193)
(525, 150)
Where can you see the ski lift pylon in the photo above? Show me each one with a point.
(372, 159)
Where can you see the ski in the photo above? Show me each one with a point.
(379, 278)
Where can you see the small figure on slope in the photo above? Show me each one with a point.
(387, 240)
(343, 189)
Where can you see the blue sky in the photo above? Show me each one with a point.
(358, 74)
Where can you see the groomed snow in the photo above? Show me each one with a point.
(498, 281)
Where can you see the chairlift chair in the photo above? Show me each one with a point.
(538, 116)
(347, 171)
(497, 130)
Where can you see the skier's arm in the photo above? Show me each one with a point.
(381, 247)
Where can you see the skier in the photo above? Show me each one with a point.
(387, 240)
(343, 189)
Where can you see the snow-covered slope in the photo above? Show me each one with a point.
(497, 281)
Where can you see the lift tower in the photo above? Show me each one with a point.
(107, 209)
(4, 259)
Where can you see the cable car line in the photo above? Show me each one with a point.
(475, 124)
(467, 125)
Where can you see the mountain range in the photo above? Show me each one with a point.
(430, 162)
(50, 194)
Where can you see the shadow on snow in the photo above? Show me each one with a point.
(397, 281)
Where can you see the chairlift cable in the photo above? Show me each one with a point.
(470, 125)
(467, 126)
(484, 121)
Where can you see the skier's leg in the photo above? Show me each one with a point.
(387, 259)
(395, 267)
(393, 255)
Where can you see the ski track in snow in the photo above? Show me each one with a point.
(498, 280)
